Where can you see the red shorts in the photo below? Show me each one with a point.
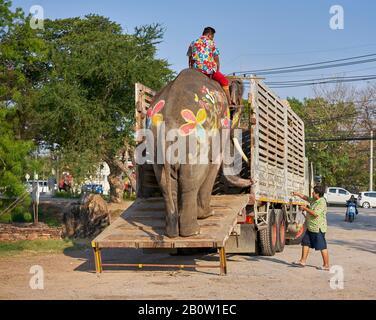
(219, 77)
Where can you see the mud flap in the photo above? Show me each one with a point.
(243, 241)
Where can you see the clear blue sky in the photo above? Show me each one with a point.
(250, 34)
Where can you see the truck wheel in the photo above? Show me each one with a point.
(268, 237)
(281, 230)
(299, 237)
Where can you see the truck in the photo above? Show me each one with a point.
(259, 220)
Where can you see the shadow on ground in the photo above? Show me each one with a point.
(188, 257)
(137, 256)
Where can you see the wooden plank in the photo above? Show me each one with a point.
(142, 225)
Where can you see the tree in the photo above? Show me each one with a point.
(334, 113)
(87, 105)
(14, 162)
(17, 60)
(8, 18)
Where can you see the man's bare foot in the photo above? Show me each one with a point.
(299, 264)
(324, 268)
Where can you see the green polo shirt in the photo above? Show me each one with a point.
(315, 224)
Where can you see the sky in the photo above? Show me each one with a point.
(250, 34)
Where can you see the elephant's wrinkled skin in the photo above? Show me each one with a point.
(191, 103)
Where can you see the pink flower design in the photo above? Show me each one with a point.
(154, 115)
(194, 123)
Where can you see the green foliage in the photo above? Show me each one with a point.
(15, 162)
(129, 197)
(7, 17)
(28, 217)
(20, 71)
(87, 107)
(21, 217)
(340, 163)
(49, 218)
(70, 89)
(6, 218)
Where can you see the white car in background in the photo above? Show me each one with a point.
(335, 195)
(367, 199)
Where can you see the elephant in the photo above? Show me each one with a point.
(192, 104)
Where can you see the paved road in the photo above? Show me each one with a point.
(68, 276)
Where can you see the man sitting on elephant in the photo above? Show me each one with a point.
(204, 57)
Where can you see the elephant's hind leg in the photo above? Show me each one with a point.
(190, 180)
(172, 212)
(205, 193)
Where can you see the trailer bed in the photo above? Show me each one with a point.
(142, 226)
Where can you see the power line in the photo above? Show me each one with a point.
(302, 52)
(339, 139)
(332, 74)
(321, 79)
(310, 66)
(314, 63)
(303, 84)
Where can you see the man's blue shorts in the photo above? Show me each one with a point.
(315, 241)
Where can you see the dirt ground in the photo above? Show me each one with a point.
(70, 275)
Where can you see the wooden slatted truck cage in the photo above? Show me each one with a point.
(253, 220)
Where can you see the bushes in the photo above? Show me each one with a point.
(19, 217)
(28, 217)
(6, 218)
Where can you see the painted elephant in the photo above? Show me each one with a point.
(192, 105)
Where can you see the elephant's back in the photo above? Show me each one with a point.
(191, 90)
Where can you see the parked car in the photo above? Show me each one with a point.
(93, 188)
(367, 199)
(335, 195)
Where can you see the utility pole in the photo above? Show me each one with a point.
(371, 165)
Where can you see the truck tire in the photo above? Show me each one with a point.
(299, 238)
(281, 230)
(268, 237)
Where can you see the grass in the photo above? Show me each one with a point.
(40, 247)
(49, 218)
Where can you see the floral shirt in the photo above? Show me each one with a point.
(203, 51)
(319, 223)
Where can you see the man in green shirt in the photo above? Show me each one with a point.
(316, 227)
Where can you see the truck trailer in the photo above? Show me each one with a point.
(259, 220)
